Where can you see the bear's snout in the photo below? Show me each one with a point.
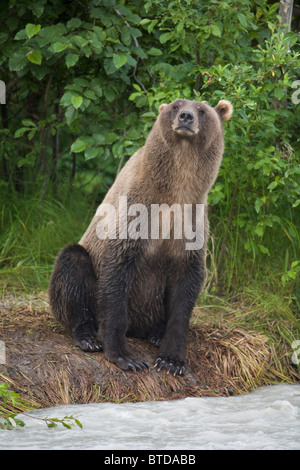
(186, 118)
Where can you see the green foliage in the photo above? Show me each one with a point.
(31, 232)
(84, 83)
(8, 420)
(7, 395)
(12, 420)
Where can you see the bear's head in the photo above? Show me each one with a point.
(184, 119)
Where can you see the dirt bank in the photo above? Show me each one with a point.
(43, 366)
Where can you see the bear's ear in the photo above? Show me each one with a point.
(162, 106)
(224, 109)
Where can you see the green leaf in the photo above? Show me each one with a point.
(90, 95)
(78, 146)
(125, 36)
(296, 203)
(81, 81)
(59, 46)
(20, 35)
(32, 30)
(215, 30)
(243, 20)
(53, 32)
(96, 13)
(180, 26)
(80, 41)
(70, 114)
(258, 204)
(109, 94)
(144, 21)
(18, 60)
(101, 35)
(264, 249)
(279, 93)
(111, 137)
(295, 264)
(66, 99)
(71, 59)
(37, 8)
(133, 96)
(78, 423)
(97, 89)
(35, 57)
(28, 122)
(165, 37)
(99, 138)
(20, 132)
(259, 230)
(76, 101)
(90, 153)
(32, 133)
(74, 23)
(154, 51)
(149, 114)
(119, 60)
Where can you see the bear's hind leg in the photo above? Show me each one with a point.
(72, 295)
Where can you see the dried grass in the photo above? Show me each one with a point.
(46, 370)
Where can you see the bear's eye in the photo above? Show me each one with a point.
(175, 107)
(201, 112)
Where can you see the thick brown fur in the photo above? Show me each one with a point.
(148, 287)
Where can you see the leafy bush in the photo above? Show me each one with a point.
(84, 84)
(11, 420)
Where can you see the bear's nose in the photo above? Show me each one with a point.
(186, 117)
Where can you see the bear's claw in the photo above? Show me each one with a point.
(89, 344)
(173, 367)
(155, 341)
(130, 363)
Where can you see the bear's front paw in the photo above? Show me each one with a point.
(127, 362)
(174, 367)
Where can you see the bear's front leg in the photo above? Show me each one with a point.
(113, 290)
(181, 296)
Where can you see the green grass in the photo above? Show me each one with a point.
(32, 231)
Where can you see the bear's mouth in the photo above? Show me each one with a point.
(184, 129)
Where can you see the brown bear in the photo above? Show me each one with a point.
(131, 274)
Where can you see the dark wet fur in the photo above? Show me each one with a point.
(72, 296)
(135, 298)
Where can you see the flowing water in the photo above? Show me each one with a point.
(268, 418)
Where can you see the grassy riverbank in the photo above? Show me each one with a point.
(240, 338)
(233, 348)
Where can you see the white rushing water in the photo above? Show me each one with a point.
(268, 418)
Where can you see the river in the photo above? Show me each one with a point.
(268, 418)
